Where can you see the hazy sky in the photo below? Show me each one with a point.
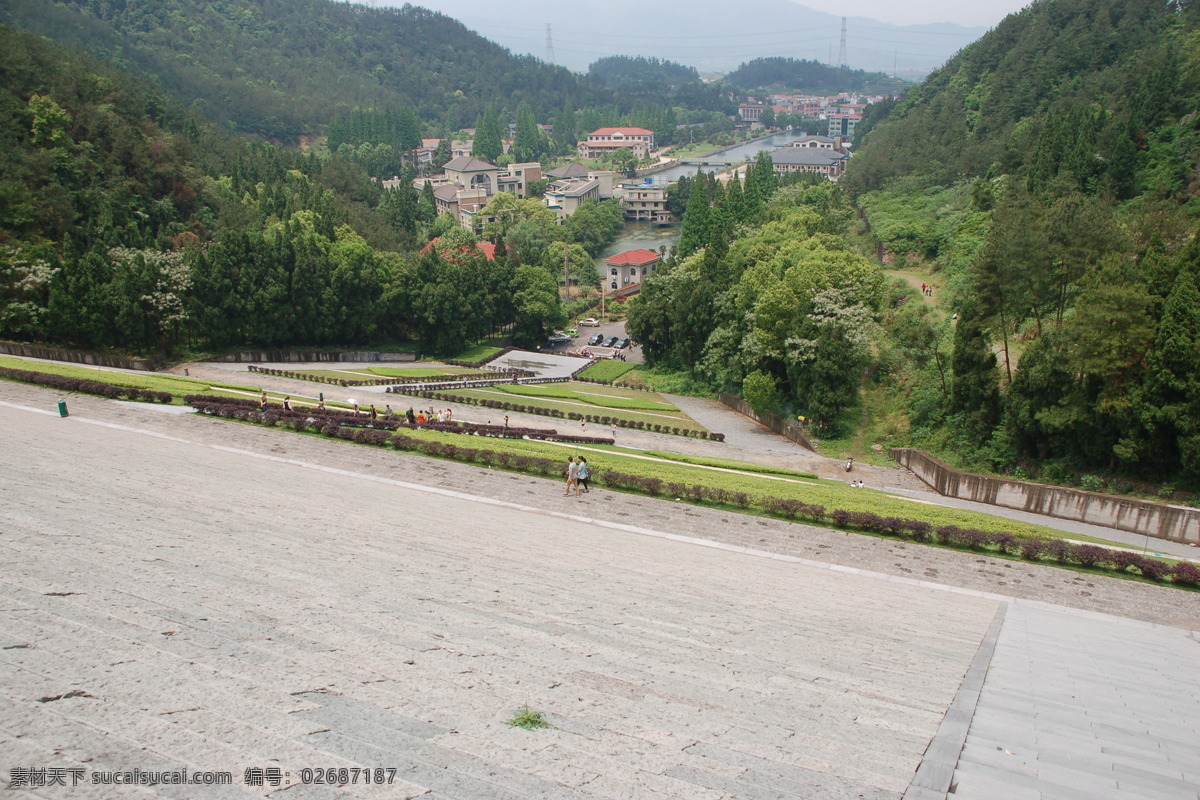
(975, 12)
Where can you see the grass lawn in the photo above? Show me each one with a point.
(665, 380)
(155, 381)
(368, 373)
(744, 478)
(607, 370)
(478, 352)
(586, 398)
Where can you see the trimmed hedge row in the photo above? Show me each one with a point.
(499, 374)
(505, 405)
(85, 386)
(310, 419)
(1032, 549)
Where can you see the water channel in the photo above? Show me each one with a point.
(734, 155)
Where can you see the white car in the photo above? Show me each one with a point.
(590, 322)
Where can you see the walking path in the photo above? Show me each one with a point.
(183, 591)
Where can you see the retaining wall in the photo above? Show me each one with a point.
(78, 356)
(1160, 520)
(775, 422)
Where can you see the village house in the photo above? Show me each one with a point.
(565, 196)
(843, 125)
(645, 202)
(628, 269)
(824, 160)
(604, 141)
(468, 183)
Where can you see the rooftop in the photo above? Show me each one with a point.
(632, 258)
(469, 164)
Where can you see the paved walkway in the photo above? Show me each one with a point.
(183, 591)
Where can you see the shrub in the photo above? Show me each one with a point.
(919, 530)
(1090, 555)
(1186, 573)
(1154, 569)
(840, 517)
(1031, 549)
(1059, 550)
(1123, 560)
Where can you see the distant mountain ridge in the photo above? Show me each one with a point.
(709, 35)
(246, 62)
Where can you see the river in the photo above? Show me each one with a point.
(736, 154)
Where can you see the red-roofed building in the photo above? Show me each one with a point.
(487, 248)
(607, 140)
(629, 267)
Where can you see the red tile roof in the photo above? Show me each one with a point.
(632, 257)
(627, 131)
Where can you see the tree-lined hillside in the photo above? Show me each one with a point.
(813, 77)
(127, 222)
(1048, 177)
(282, 68)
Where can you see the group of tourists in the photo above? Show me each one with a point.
(578, 474)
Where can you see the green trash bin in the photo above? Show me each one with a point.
(62, 408)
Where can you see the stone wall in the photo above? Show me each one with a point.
(1159, 520)
(77, 356)
(775, 422)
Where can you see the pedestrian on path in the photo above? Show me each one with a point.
(506, 420)
(572, 476)
(287, 403)
(410, 416)
(614, 430)
(583, 473)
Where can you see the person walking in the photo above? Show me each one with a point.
(287, 403)
(583, 473)
(572, 476)
(410, 416)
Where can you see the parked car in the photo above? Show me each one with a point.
(622, 343)
(611, 342)
(595, 339)
(590, 322)
(559, 338)
(572, 332)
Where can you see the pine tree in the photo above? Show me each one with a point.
(489, 142)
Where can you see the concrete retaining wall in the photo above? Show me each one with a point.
(300, 356)
(773, 421)
(1159, 520)
(77, 356)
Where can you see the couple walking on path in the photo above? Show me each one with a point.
(578, 473)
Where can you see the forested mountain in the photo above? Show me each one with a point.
(128, 222)
(281, 68)
(810, 77)
(1048, 176)
(629, 72)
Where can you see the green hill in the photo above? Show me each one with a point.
(282, 68)
(1046, 180)
(811, 77)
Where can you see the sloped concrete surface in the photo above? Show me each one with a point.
(182, 591)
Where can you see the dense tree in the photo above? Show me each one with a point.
(488, 145)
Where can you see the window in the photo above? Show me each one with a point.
(614, 271)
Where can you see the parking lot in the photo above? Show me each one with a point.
(632, 354)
